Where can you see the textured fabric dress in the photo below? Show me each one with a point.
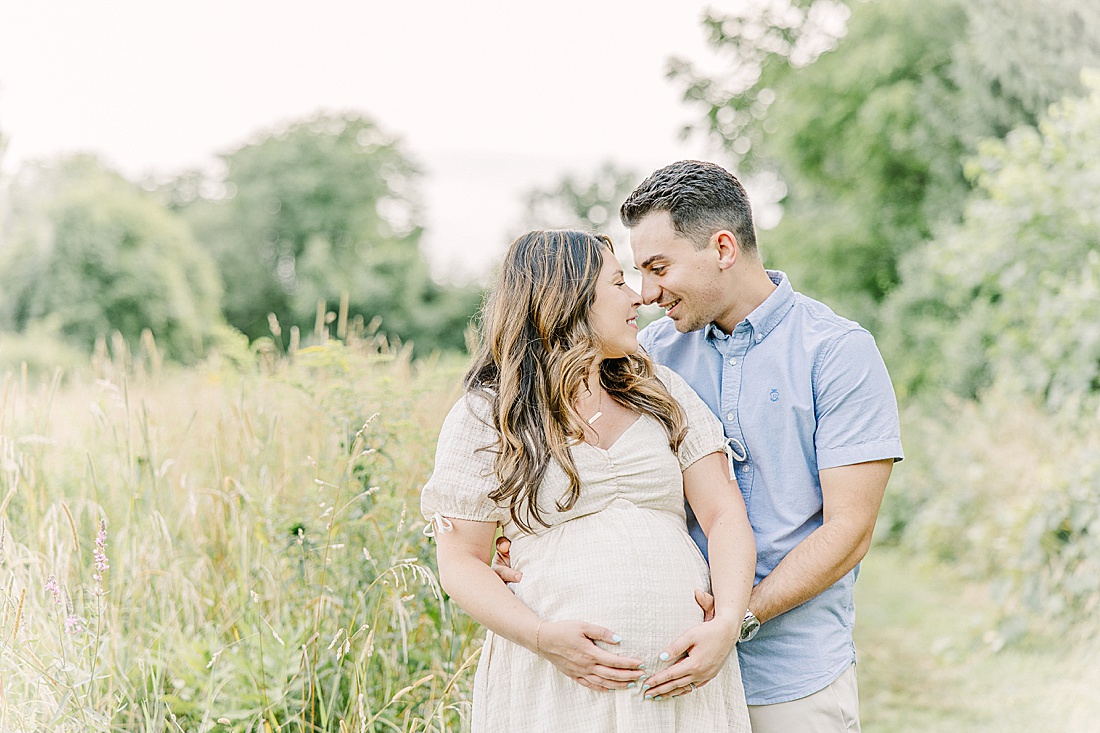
(621, 557)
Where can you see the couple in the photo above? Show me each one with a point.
(583, 447)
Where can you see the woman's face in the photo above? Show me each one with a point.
(614, 312)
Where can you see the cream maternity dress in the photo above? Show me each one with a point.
(621, 557)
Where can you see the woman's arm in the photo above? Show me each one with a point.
(720, 509)
(464, 554)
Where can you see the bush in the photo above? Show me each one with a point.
(1013, 293)
(1008, 492)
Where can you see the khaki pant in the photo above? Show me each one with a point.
(832, 710)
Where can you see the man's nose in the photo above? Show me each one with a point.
(650, 291)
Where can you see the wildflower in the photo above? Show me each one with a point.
(54, 589)
(100, 554)
(72, 624)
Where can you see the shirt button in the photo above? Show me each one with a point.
(759, 338)
(733, 362)
(730, 416)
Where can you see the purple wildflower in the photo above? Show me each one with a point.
(100, 554)
(54, 589)
(72, 624)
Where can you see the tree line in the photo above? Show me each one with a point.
(931, 159)
(314, 212)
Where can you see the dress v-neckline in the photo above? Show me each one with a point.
(617, 438)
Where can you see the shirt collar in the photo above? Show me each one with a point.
(767, 315)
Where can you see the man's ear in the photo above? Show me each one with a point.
(728, 248)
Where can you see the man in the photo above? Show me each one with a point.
(812, 424)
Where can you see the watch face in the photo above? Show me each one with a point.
(749, 627)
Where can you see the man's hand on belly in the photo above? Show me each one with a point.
(706, 602)
(502, 563)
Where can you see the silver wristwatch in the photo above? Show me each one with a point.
(749, 627)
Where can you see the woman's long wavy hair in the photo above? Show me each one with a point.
(536, 352)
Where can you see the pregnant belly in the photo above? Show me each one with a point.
(631, 570)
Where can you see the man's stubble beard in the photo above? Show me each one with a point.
(692, 323)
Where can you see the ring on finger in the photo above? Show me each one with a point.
(692, 686)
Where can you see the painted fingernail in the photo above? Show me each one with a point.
(616, 638)
(664, 656)
(649, 697)
(646, 687)
(631, 685)
(657, 698)
(641, 666)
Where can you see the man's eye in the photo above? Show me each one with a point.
(657, 270)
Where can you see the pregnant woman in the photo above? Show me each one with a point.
(582, 452)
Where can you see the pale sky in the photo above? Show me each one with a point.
(491, 98)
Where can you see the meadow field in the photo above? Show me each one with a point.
(237, 547)
(226, 549)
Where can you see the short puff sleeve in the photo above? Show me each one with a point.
(704, 431)
(463, 477)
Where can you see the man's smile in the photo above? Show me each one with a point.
(668, 306)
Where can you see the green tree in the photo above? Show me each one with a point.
(868, 118)
(1012, 294)
(575, 201)
(316, 209)
(88, 251)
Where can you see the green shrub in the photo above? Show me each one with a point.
(1008, 492)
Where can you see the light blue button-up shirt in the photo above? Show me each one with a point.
(799, 389)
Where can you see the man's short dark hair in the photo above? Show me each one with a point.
(701, 198)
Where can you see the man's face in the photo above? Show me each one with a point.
(675, 275)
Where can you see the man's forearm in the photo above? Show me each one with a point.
(851, 497)
(810, 568)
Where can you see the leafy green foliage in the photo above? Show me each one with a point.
(88, 252)
(868, 125)
(1008, 492)
(578, 202)
(314, 210)
(1012, 294)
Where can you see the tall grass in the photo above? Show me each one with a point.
(226, 549)
(237, 547)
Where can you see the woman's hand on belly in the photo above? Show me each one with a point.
(705, 648)
(570, 646)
